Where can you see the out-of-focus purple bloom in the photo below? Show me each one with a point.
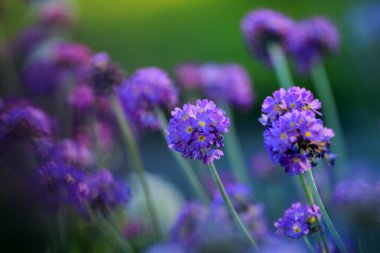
(145, 91)
(229, 83)
(196, 131)
(184, 231)
(188, 76)
(56, 13)
(23, 122)
(105, 192)
(81, 98)
(104, 75)
(165, 248)
(71, 55)
(61, 185)
(261, 166)
(298, 221)
(262, 27)
(133, 229)
(358, 200)
(311, 40)
(73, 153)
(239, 194)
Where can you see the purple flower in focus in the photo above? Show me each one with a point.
(298, 221)
(145, 91)
(81, 98)
(311, 40)
(106, 192)
(229, 83)
(73, 153)
(184, 231)
(196, 131)
(188, 76)
(262, 27)
(104, 75)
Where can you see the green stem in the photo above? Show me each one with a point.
(185, 165)
(326, 217)
(234, 152)
(331, 115)
(230, 207)
(137, 164)
(309, 245)
(280, 65)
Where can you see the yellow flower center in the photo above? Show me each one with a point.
(307, 134)
(189, 129)
(296, 229)
(201, 138)
(293, 106)
(283, 136)
(201, 123)
(296, 160)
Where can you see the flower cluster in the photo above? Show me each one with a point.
(294, 137)
(262, 27)
(310, 40)
(228, 83)
(298, 220)
(197, 131)
(144, 92)
(73, 153)
(188, 75)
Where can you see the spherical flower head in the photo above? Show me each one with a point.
(283, 101)
(147, 90)
(185, 227)
(297, 221)
(311, 40)
(188, 76)
(196, 131)
(56, 13)
(23, 122)
(296, 140)
(229, 83)
(262, 27)
(71, 55)
(105, 192)
(81, 98)
(73, 153)
(104, 75)
(240, 195)
(61, 185)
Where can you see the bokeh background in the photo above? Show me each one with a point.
(164, 33)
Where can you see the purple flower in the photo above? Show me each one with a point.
(56, 13)
(61, 185)
(239, 194)
(197, 131)
(71, 55)
(73, 153)
(261, 166)
(165, 248)
(311, 40)
(184, 231)
(145, 91)
(23, 122)
(103, 74)
(298, 221)
(262, 27)
(229, 83)
(188, 75)
(105, 192)
(81, 98)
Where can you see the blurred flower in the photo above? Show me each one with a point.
(261, 166)
(56, 13)
(358, 200)
(294, 137)
(104, 75)
(61, 185)
(81, 98)
(311, 40)
(240, 196)
(73, 153)
(298, 221)
(197, 131)
(133, 229)
(106, 192)
(145, 91)
(185, 228)
(71, 55)
(188, 75)
(228, 83)
(262, 27)
(165, 248)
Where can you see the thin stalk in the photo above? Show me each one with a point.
(326, 217)
(331, 115)
(137, 164)
(309, 245)
(234, 152)
(230, 207)
(281, 68)
(184, 164)
(324, 241)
